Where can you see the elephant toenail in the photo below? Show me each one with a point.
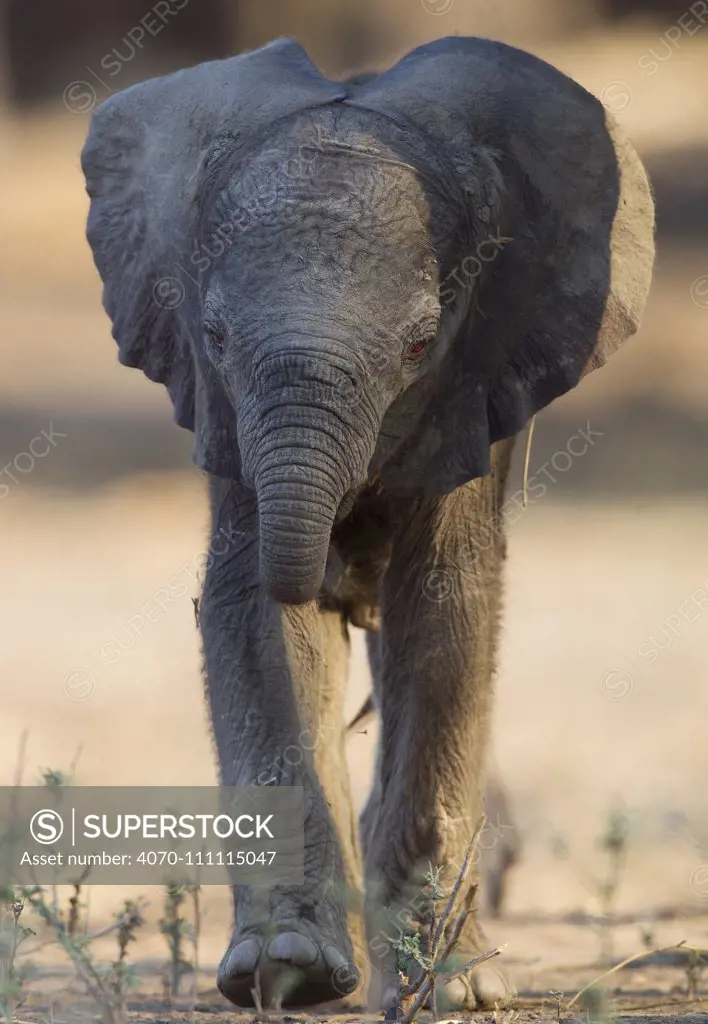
(294, 948)
(491, 988)
(455, 994)
(242, 959)
(345, 978)
(334, 958)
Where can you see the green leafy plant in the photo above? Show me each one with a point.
(12, 934)
(558, 996)
(595, 1002)
(175, 928)
(694, 966)
(443, 938)
(106, 984)
(614, 845)
(408, 952)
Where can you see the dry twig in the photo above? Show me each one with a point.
(618, 967)
(423, 988)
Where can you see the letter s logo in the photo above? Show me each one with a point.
(46, 827)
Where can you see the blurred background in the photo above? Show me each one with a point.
(602, 690)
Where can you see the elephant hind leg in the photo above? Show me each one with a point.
(434, 665)
(501, 849)
(501, 845)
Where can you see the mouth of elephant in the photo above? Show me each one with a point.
(346, 504)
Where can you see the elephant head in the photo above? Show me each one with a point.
(386, 276)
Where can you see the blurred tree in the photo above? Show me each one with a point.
(340, 37)
(667, 10)
(49, 44)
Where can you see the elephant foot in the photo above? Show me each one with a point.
(485, 988)
(294, 966)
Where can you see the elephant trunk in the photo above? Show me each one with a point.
(298, 498)
(307, 432)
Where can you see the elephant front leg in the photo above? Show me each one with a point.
(276, 719)
(440, 608)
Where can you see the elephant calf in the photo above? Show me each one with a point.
(357, 294)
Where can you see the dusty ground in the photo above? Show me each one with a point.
(602, 699)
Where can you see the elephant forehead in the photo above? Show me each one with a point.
(308, 200)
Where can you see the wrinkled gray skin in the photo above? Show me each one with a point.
(356, 295)
(499, 846)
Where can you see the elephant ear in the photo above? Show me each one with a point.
(542, 162)
(148, 152)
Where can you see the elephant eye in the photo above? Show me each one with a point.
(420, 339)
(216, 337)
